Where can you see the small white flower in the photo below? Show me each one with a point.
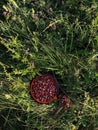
(8, 96)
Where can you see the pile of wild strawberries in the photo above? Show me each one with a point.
(44, 89)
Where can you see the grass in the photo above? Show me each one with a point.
(58, 37)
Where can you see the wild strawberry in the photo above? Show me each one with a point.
(64, 103)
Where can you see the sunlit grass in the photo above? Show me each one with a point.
(57, 37)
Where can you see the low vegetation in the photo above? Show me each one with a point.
(49, 36)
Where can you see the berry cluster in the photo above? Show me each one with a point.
(44, 89)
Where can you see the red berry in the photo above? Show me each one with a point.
(64, 101)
